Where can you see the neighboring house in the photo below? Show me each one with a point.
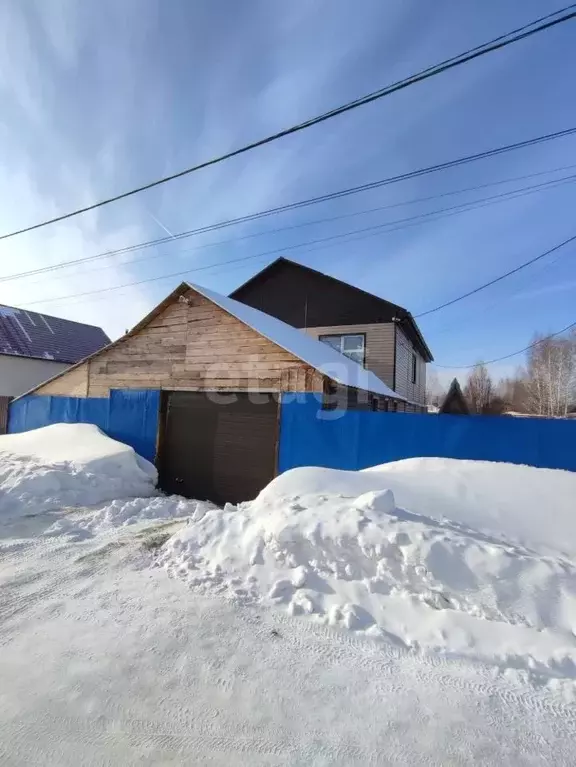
(454, 401)
(220, 366)
(35, 347)
(378, 334)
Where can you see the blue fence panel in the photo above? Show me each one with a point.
(64, 410)
(16, 416)
(129, 416)
(134, 419)
(357, 439)
(94, 410)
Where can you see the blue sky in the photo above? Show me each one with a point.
(98, 97)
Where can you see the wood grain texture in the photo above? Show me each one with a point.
(198, 347)
(74, 383)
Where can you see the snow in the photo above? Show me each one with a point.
(321, 356)
(417, 613)
(105, 661)
(68, 465)
(338, 547)
(536, 507)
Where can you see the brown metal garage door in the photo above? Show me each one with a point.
(218, 452)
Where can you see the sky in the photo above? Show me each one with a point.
(100, 96)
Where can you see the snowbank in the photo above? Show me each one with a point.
(336, 546)
(68, 465)
(534, 506)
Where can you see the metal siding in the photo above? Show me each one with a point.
(216, 451)
(404, 386)
(301, 296)
(379, 345)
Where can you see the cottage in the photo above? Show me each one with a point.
(35, 347)
(221, 367)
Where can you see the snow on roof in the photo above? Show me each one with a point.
(29, 334)
(320, 356)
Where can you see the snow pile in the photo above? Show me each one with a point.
(336, 546)
(125, 512)
(536, 507)
(68, 465)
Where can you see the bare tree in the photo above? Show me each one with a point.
(513, 393)
(435, 392)
(479, 389)
(551, 376)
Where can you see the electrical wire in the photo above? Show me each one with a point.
(369, 231)
(509, 356)
(396, 225)
(496, 279)
(303, 203)
(527, 30)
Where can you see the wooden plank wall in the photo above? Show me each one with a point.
(73, 383)
(193, 347)
(4, 402)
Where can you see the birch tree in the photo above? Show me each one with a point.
(551, 376)
(479, 389)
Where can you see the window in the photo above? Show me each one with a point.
(414, 367)
(352, 346)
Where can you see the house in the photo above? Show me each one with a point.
(381, 336)
(454, 401)
(219, 367)
(35, 347)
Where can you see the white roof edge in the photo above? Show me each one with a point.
(320, 356)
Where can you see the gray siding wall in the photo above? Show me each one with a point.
(379, 346)
(20, 374)
(415, 392)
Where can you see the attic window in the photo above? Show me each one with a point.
(414, 367)
(352, 346)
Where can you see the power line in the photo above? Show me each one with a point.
(368, 231)
(493, 45)
(509, 356)
(433, 215)
(497, 279)
(307, 202)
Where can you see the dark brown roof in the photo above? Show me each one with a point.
(305, 297)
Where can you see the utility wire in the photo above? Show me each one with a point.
(396, 225)
(497, 279)
(508, 356)
(532, 28)
(305, 203)
(365, 232)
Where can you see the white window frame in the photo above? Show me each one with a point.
(342, 336)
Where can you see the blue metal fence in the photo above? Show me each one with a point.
(357, 439)
(128, 415)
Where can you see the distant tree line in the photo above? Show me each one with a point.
(544, 386)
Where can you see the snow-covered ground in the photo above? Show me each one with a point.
(418, 613)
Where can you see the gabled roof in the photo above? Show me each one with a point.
(378, 306)
(30, 334)
(321, 357)
(455, 401)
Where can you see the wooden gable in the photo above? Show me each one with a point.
(193, 345)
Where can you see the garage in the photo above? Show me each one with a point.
(195, 388)
(218, 447)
